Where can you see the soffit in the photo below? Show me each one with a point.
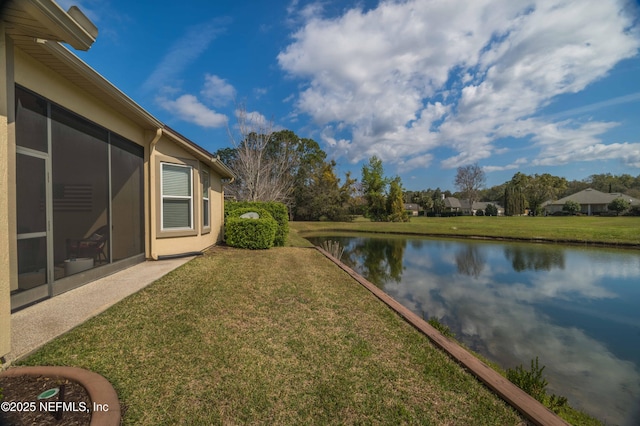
(46, 20)
(200, 153)
(60, 60)
(26, 25)
(37, 41)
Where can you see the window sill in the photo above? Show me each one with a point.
(165, 233)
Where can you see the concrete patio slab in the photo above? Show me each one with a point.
(36, 325)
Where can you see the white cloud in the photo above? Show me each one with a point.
(515, 165)
(217, 91)
(188, 108)
(407, 77)
(562, 143)
(297, 13)
(259, 92)
(516, 330)
(183, 52)
(620, 100)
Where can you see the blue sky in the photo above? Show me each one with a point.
(534, 86)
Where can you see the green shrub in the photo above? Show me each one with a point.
(571, 207)
(278, 211)
(491, 210)
(530, 381)
(250, 233)
(619, 205)
(533, 383)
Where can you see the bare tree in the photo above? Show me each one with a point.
(262, 164)
(469, 180)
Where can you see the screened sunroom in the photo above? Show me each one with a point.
(79, 193)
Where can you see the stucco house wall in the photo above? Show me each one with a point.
(33, 61)
(200, 237)
(6, 213)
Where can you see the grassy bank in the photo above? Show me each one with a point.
(614, 231)
(274, 337)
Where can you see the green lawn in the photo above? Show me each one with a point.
(617, 231)
(279, 336)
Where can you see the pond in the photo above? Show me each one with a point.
(577, 309)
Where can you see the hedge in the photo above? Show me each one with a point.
(250, 233)
(278, 211)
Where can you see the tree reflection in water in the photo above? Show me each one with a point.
(575, 308)
(380, 259)
(534, 257)
(377, 259)
(470, 261)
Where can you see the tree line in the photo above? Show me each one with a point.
(280, 166)
(525, 192)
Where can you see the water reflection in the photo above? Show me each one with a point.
(381, 259)
(470, 261)
(576, 309)
(535, 257)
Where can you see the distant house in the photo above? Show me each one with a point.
(482, 205)
(592, 201)
(453, 205)
(412, 208)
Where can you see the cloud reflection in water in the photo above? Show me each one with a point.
(513, 302)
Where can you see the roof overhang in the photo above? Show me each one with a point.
(202, 154)
(59, 59)
(37, 27)
(46, 20)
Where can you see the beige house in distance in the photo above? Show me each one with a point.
(453, 204)
(90, 182)
(592, 201)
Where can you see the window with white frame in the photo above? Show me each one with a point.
(205, 199)
(177, 196)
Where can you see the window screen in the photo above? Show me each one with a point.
(177, 201)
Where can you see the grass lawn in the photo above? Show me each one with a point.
(624, 231)
(279, 336)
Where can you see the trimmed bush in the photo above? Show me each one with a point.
(491, 210)
(571, 207)
(278, 211)
(250, 233)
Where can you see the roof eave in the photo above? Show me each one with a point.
(222, 169)
(68, 30)
(64, 54)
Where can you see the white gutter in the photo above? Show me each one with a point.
(200, 153)
(152, 195)
(97, 80)
(80, 32)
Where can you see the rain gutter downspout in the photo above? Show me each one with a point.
(152, 195)
(222, 185)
